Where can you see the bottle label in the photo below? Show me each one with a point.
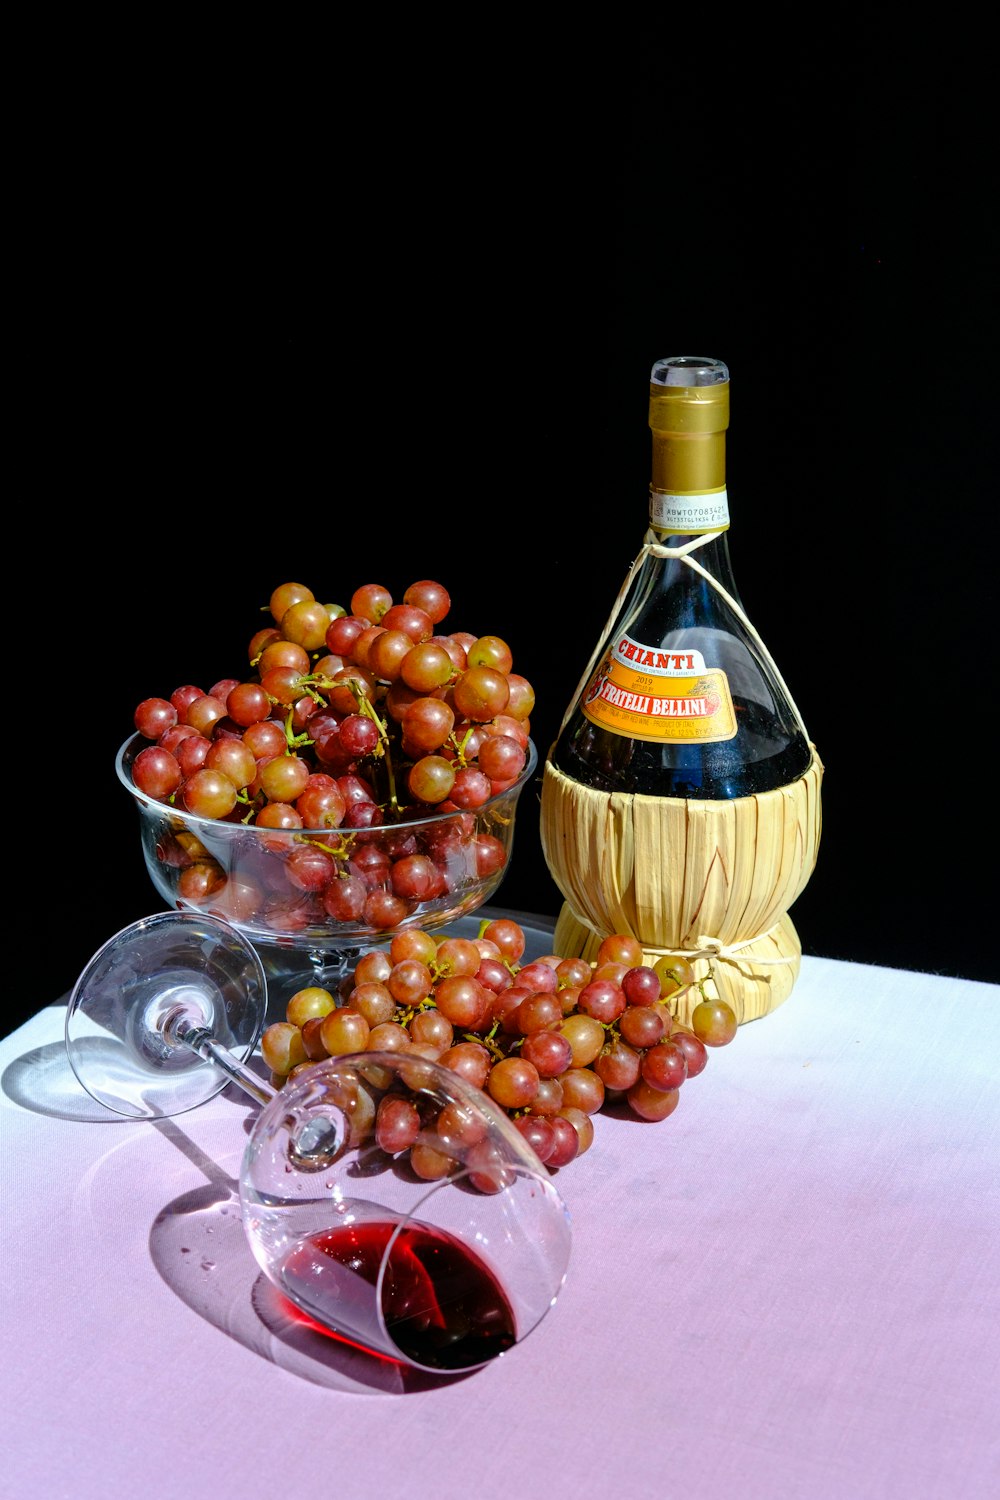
(691, 513)
(649, 693)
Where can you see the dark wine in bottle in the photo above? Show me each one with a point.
(682, 698)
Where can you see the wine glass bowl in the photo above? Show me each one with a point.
(284, 887)
(443, 1275)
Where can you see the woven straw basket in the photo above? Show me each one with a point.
(713, 880)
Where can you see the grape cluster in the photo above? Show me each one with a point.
(341, 723)
(552, 1041)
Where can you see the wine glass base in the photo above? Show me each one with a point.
(120, 1037)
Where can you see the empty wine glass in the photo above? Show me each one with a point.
(439, 1272)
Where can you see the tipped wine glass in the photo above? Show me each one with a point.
(442, 1272)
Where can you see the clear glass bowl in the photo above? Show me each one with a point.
(241, 873)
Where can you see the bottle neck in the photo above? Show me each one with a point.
(687, 462)
(686, 558)
(687, 492)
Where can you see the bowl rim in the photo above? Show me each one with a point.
(168, 810)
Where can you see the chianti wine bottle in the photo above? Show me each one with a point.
(682, 698)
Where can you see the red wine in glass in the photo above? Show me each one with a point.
(441, 1305)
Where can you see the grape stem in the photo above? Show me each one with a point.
(338, 850)
(366, 708)
(460, 746)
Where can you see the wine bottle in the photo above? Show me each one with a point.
(681, 697)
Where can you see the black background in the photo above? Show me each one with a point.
(357, 319)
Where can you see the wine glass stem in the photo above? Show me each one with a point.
(201, 1041)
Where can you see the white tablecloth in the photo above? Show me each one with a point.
(791, 1287)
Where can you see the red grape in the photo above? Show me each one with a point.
(713, 1022)
(153, 716)
(156, 772)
